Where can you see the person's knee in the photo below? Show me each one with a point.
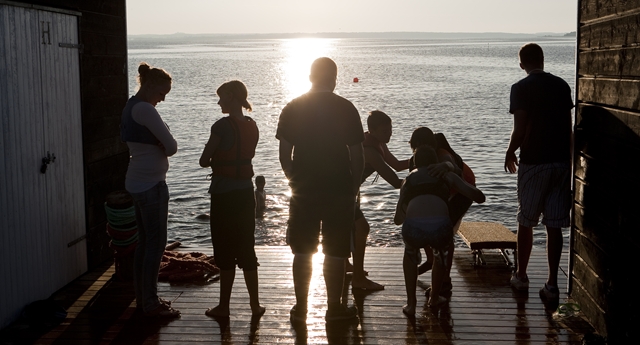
(334, 260)
(362, 226)
(302, 257)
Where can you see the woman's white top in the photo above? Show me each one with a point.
(148, 164)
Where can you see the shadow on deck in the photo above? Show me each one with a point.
(482, 310)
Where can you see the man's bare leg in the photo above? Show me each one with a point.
(554, 253)
(525, 242)
(302, 271)
(359, 280)
(333, 270)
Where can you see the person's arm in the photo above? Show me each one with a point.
(571, 141)
(373, 158)
(442, 169)
(400, 214)
(147, 115)
(393, 161)
(285, 153)
(209, 149)
(517, 136)
(357, 165)
(464, 188)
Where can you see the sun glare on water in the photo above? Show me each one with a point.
(300, 53)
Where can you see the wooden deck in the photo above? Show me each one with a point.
(482, 310)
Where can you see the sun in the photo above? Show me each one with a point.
(300, 53)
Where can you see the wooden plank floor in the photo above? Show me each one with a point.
(482, 310)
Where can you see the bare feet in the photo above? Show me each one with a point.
(218, 311)
(409, 310)
(257, 311)
(437, 301)
(348, 268)
(366, 284)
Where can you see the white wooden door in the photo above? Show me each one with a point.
(40, 214)
(59, 62)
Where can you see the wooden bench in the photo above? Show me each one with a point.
(488, 235)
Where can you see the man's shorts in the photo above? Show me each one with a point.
(334, 214)
(434, 232)
(544, 189)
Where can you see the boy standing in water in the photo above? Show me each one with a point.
(541, 106)
(377, 158)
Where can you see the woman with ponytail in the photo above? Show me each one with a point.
(150, 144)
(228, 152)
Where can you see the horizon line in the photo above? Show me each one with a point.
(559, 34)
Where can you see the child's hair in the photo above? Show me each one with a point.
(376, 119)
(531, 55)
(152, 75)
(260, 179)
(422, 136)
(424, 155)
(238, 90)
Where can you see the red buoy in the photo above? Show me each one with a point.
(355, 80)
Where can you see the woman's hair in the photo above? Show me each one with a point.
(422, 136)
(376, 119)
(424, 155)
(237, 89)
(531, 55)
(152, 75)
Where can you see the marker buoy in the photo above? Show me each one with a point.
(355, 80)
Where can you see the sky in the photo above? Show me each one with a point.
(305, 16)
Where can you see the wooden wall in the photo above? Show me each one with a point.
(606, 225)
(105, 90)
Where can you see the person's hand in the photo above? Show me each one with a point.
(441, 169)
(161, 146)
(510, 162)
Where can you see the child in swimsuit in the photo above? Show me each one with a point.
(424, 212)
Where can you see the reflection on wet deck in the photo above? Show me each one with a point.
(482, 310)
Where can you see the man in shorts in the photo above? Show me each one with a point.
(541, 106)
(321, 154)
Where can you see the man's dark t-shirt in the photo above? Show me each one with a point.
(320, 126)
(547, 102)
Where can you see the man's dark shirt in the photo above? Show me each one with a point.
(547, 102)
(320, 126)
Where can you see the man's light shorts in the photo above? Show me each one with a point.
(544, 189)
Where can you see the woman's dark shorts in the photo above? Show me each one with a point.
(232, 229)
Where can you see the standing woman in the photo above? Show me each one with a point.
(228, 152)
(150, 144)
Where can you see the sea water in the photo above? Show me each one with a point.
(457, 87)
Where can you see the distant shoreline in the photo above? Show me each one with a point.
(371, 35)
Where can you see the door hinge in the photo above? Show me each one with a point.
(71, 45)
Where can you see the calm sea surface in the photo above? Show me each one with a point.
(458, 87)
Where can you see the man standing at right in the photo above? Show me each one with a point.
(541, 106)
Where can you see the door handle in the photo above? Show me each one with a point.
(50, 158)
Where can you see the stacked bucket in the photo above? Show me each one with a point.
(123, 230)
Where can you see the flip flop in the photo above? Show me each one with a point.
(163, 311)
